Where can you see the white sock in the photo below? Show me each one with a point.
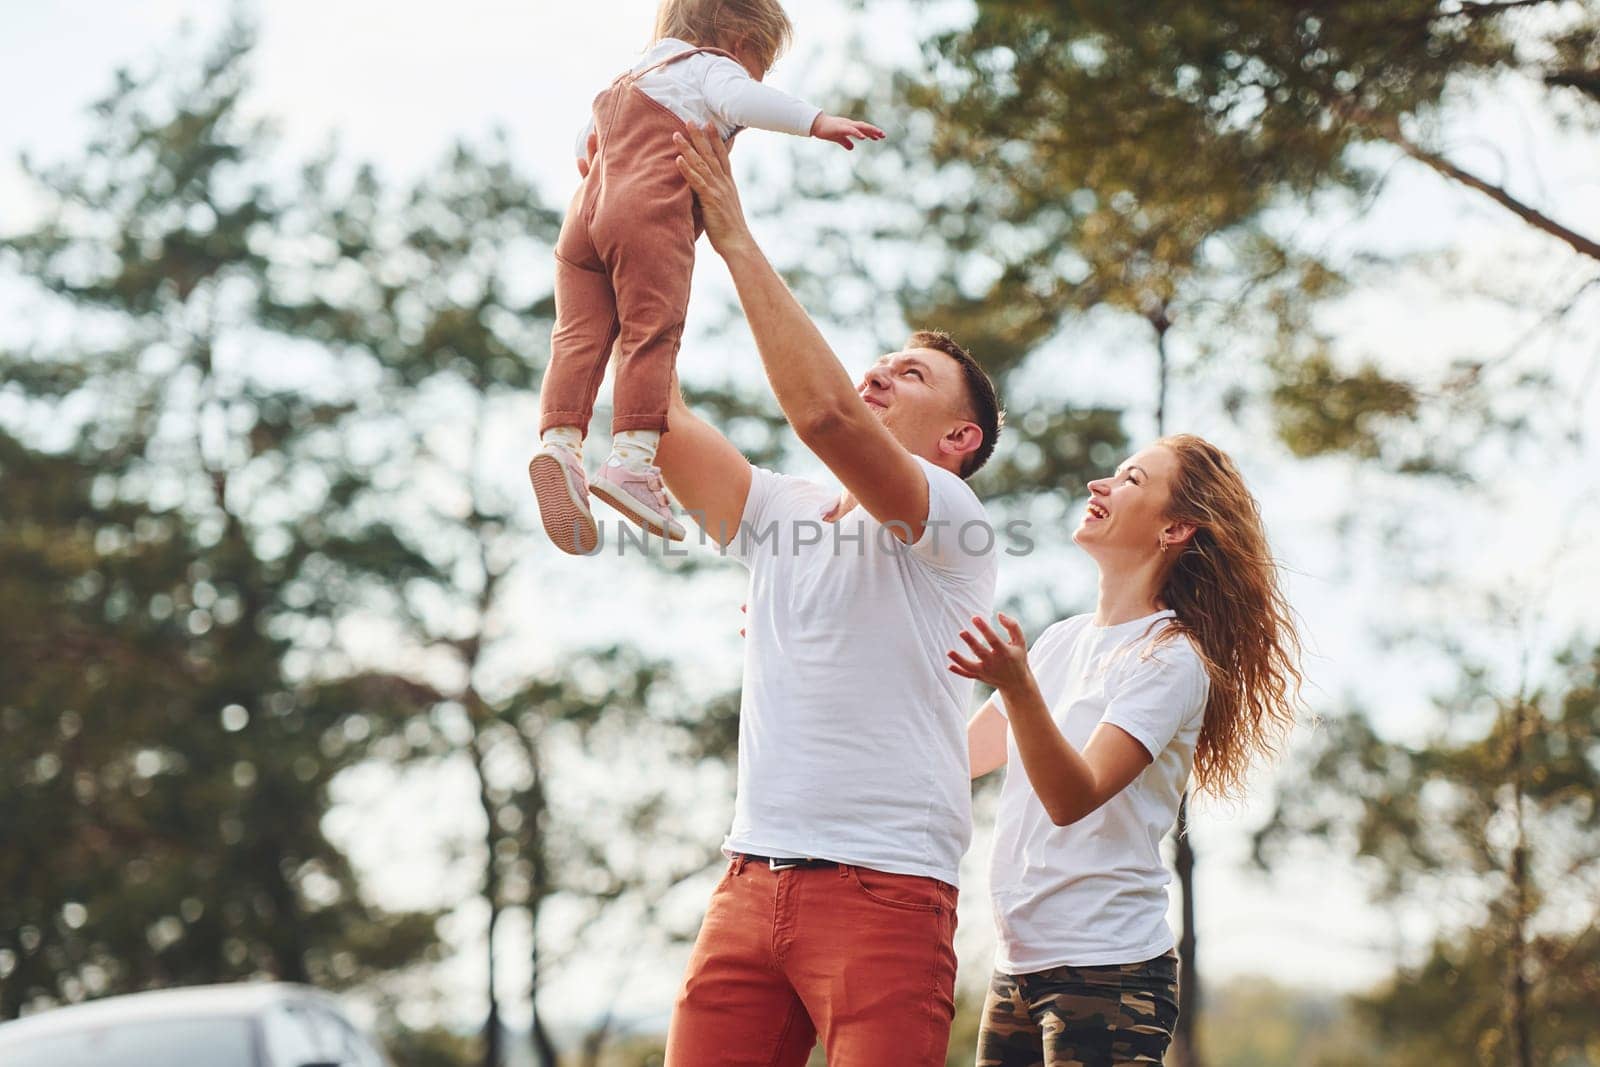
(635, 448)
(568, 437)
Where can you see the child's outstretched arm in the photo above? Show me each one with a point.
(740, 100)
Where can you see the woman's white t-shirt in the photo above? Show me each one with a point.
(1095, 892)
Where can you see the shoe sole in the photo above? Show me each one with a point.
(626, 504)
(565, 514)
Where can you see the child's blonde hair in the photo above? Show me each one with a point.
(760, 25)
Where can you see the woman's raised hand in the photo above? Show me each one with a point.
(1000, 661)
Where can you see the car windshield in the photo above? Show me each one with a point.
(213, 1042)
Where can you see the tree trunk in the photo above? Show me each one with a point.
(594, 1042)
(1186, 1043)
(1161, 324)
(1185, 1047)
(533, 844)
(492, 1055)
(482, 717)
(492, 1050)
(1520, 1024)
(11, 987)
(544, 1050)
(287, 936)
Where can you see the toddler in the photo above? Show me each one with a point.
(626, 251)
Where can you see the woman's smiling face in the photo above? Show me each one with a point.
(1127, 512)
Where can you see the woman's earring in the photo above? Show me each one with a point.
(1163, 542)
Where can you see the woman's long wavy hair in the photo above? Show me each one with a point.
(1223, 586)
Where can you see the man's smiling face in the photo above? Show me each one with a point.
(919, 394)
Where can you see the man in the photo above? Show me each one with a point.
(837, 913)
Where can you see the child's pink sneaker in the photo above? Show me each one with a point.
(563, 493)
(638, 495)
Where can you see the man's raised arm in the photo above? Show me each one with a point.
(710, 478)
(812, 387)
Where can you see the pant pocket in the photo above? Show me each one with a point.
(906, 892)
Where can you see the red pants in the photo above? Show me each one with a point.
(862, 958)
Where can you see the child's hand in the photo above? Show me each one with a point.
(844, 132)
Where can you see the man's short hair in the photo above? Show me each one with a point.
(981, 395)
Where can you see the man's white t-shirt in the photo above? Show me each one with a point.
(1095, 892)
(852, 734)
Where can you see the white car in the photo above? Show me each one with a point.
(247, 1025)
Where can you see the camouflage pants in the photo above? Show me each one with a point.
(1081, 1016)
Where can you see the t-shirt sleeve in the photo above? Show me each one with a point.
(958, 539)
(772, 509)
(1043, 649)
(739, 100)
(1162, 690)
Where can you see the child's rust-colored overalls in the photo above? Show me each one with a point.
(623, 265)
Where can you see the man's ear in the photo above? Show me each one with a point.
(1179, 533)
(964, 438)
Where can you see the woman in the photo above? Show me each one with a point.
(1189, 662)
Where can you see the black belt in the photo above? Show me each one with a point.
(784, 863)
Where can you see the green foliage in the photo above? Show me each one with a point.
(1498, 812)
(1452, 1008)
(242, 450)
(168, 758)
(429, 1048)
(1061, 164)
(1253, 1022)
(1052, 450)
(1056, 158)
(1052, 179)
(279, 434)
(1322, 410)
(431, 288)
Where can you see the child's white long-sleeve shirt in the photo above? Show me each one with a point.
(709, 88)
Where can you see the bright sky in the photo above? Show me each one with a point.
(398, 81)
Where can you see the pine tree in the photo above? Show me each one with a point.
(193, 526)
(1054, 164)
(1495, 812)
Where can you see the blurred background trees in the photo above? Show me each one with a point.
(265, 548)
(177, 740)
(1495, 813)
(255, 538)
(1167, 166)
